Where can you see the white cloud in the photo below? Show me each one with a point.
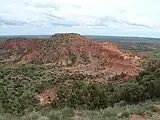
(119, 15)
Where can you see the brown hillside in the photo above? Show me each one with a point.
(72, 52)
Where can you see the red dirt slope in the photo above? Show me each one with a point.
(72, 52)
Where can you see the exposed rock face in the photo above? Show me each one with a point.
(18, 49)
(73, 52)
(47, 96)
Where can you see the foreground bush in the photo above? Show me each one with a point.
(18, 87)
(81, 94)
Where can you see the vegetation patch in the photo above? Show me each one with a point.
(19, 85)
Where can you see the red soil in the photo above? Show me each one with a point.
(61, 48)
(138, 117)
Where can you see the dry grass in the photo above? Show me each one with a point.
(128, 112)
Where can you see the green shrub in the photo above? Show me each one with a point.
(80, 94)
(125, 115)
(18, 87)
(67, 112)
(140, 111)
(121, 103)
(153, 108)
(54, 117)
(149, 113)
(108, 114)
(130, 92)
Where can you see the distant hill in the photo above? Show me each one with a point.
(99, 37)
(71, 52)
(124, 38)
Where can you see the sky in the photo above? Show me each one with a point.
(86, 17)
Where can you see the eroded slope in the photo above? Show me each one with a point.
(73, 53)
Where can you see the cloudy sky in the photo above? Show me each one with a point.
(94, 17)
